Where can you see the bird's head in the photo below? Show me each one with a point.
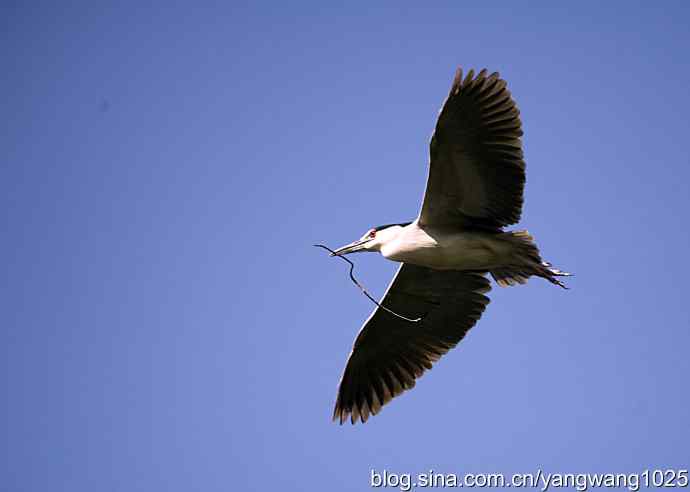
(372, 240)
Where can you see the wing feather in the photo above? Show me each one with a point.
(476, 172)
(390, 354)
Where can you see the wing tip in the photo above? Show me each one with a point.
(457, 81)
(460, 82)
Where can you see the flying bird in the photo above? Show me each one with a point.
(474, 189)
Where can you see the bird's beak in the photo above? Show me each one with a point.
(351, 248)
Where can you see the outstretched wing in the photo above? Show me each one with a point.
(476, 171)
(390, 353)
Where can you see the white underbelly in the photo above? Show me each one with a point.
(445, 251)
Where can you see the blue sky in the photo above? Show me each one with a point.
(166, 324)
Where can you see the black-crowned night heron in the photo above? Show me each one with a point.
(474, 189)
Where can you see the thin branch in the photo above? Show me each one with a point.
(364, 291)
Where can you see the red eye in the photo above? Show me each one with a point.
(372, 234)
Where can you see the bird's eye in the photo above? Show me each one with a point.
(372, 234)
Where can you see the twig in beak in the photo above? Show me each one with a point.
(364, 291)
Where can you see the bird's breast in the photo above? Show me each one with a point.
(415, 249)
(444, 250)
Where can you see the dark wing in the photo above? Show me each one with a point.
(476, 171)
(390, 353)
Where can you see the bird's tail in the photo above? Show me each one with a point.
(525, 261)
